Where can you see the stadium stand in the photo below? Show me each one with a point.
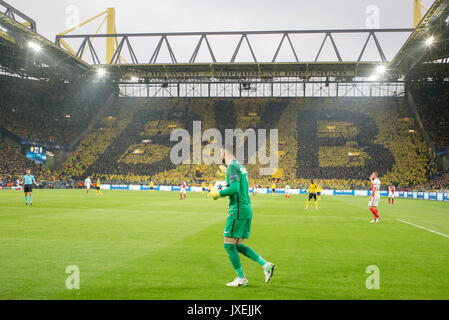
(432, 99)
(13, 166)
(96, 142)
(336, 141)
(48, 111)
(439, 182)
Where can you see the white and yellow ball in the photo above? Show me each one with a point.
(220, 185)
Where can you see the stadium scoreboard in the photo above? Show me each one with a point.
(37, 154)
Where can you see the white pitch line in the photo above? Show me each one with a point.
(415, 225)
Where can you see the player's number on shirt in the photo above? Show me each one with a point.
(243, 171)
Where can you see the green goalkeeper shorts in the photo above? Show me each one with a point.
(237, 228)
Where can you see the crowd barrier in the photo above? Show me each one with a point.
(437, 196)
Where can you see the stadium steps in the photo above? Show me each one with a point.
(11, 139)
(414, 111)
(109, 102)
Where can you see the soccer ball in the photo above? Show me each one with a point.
(220, 185)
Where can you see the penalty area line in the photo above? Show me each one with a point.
(417, 226)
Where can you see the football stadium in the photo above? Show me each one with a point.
(287, 156)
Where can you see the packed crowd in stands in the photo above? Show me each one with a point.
(432, 100)
(44, 111)
(336, 141)
(412, 155)
(440, 181)
(96, 142)
(13, 165)
(145, 153)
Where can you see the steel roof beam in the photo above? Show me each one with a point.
(230, 33)
(12, 12)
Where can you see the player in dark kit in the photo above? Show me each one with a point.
(312, 194)
(28, 181)
(238, 223)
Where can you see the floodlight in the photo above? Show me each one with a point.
(101, 72)
(381, 69)
(34, 46)
(429, 41)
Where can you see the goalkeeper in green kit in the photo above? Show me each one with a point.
(238, 223)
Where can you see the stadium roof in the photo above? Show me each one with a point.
(344, 69)
(240, 70)
(18, 53)
(16, 56)
(428, 43)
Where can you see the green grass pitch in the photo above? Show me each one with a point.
(143, 245)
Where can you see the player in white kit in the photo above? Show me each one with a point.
(391, 190)
(87, 184)
(287, 192)
(374, 196)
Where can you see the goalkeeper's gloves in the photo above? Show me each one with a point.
(214, 194)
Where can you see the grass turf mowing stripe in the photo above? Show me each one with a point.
(417, 226)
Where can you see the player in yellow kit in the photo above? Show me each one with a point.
(273, 188)
(318, 192)
(312, 194)
(203, 186)
(97, 185)
(151, 186)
